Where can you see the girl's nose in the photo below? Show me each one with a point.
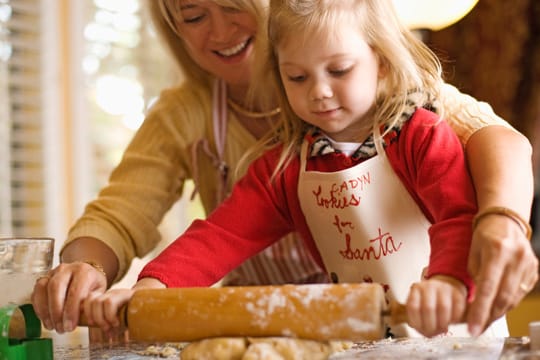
(320, 90)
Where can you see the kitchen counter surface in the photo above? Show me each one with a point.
(75, 346)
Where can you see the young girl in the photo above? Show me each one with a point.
(373, 180)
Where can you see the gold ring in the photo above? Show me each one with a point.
(524, 287)
(43, 277)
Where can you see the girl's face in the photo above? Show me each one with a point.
(220, 39)
(331, 84)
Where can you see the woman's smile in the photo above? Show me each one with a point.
(234, 50)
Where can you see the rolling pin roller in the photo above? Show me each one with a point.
(320, 312)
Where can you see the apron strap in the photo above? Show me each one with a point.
(378, 140)
(219, 115)
(219, 123)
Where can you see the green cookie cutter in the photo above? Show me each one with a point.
(32, 347)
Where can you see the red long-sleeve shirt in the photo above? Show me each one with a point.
(428, 158)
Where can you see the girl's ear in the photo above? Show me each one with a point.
(384, 68)
(383, 78)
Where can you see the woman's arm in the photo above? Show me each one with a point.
(93, 250)
(122, 222)
(500, 161)
(502, 260)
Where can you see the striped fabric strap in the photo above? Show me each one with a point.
(285, 262)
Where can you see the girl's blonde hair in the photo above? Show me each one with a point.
(166, 14)
(407, 63)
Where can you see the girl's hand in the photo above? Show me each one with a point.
(101, 309)
(436, 303)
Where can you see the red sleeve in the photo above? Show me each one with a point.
(256, 214)
(430, 160)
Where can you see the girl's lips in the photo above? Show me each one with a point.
(326, 112)
(235, 50)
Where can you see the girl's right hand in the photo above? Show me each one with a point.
(101, 309)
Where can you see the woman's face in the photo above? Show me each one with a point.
(220, 39)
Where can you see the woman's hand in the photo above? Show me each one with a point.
(434, 304)
(57, 297)
(501, 259)
(503, 264)
(101, 309)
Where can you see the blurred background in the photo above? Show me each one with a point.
(77, 76)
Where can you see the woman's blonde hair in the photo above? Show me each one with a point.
(407, 63)
(166, 13)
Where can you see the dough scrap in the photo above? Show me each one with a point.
(161, 351)
(261, 351)
(269, 348)
(294, 349)
(215, 349)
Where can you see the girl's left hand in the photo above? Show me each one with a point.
(436, 303)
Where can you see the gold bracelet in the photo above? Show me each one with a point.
(96, 266)
(501, 210)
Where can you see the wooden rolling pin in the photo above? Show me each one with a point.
(320, 312)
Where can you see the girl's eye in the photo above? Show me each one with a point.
(298, 78)
(340, 72)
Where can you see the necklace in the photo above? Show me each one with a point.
(252, 114)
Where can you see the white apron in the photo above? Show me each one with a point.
(368, 228)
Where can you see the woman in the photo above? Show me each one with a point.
(201, 129)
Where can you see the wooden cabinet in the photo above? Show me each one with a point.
(527, 311)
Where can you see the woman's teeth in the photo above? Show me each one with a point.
(234, 50)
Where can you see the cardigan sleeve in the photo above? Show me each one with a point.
(148, 180)
(465, 114)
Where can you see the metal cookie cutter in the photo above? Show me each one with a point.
(31, 346)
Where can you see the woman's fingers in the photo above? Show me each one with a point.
(40, 301)
(85, 280)
(503, 263)
(57, 298)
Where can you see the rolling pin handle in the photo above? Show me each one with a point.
(122, 316)
(396, 312)
(399, 313)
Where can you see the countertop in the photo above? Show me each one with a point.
(75, 346)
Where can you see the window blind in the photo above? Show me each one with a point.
(5, 172)
(57, 142)
(25, 185)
